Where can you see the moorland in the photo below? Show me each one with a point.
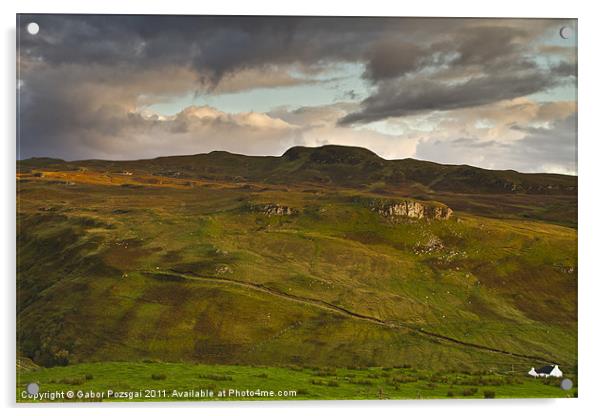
(311, 270)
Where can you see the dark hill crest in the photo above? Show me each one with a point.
(335, 165)
(332, 154)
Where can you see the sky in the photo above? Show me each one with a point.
(493, 93)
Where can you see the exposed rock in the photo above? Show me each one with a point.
(48, 209)
(273, 209)
(223, 269)
(432, 244)
(412, 209)
(440, 212)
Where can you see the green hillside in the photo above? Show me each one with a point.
(305, 259)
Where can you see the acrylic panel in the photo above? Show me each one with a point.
(295, 208)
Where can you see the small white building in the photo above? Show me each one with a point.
(546, 371)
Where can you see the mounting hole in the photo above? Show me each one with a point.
(33, 28)
(566, 384)
(566, 32)
(33, 388)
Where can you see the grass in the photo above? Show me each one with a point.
(293, 384)
(181, 270)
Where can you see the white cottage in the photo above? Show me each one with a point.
(546, 371)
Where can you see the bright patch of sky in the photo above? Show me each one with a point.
(341, 83)
(562, 93)
(394, 126)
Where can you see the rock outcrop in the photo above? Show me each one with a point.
(273, 209)
(412, 209)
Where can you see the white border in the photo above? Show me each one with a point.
(590, 203)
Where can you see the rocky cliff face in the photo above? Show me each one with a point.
(412, 209)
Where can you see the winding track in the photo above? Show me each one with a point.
(341, 311)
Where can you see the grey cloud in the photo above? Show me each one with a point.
(542, 149)
(554, 146)
(411, 96)
(313, 116)
(67, 112)
(392, 57)
(211, 45)
(476, 65)
(565, 69)
(217, 45)
(466, 46)
(476, 143)
(488, 44)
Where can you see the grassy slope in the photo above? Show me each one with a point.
(171, 263)
(307, 383)
(505, 284)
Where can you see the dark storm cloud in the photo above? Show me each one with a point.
(463, 47)
(217, 45)
(390, 58)
(479, 65)
(411, 96)
(487, 45)
(212, 45)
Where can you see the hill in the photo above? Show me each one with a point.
(328, 256)
(549, 197)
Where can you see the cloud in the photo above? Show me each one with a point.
(392, 57)
(201, 129)
(550, 147)
(480, 64)
(87, 83)
(475, 143)
(216, 46)
(252, 78)
(193, 130)
(388, 146)
(66, 109)
(411, 96)
(314, 116)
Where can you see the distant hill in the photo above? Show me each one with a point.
(344, 166)
(493, 193)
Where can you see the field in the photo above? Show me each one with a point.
(167, 382)
(240, 266)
